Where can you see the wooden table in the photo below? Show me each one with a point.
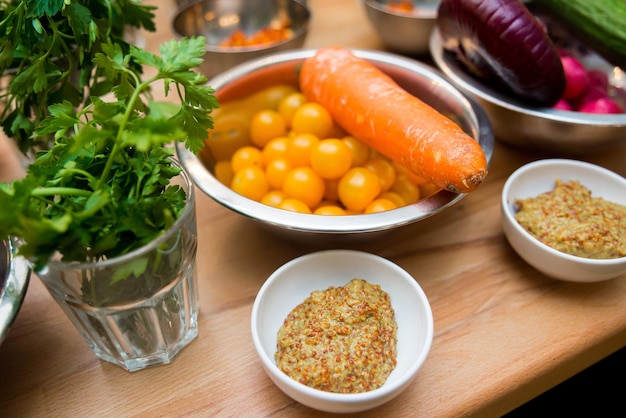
(504, 333)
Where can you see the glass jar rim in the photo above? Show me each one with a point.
(152, 245)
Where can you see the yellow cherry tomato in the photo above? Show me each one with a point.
(230, 132)
(299, 149)
(223, 172)
(359, 150)
(304, 184)
(250, 182)
(394, 197)
(270, 97)
(245, 157)
(384, 171)
(276, 172)
(406, 188)
(331, 158)
(333, 210)
(273, 198)
(275, 148)
(411, 175)
(312, 118)
(428, 189)
(289, 104)
(294, 205)
(265, 125)
(380, 205)
(267, 98)
(358, 188)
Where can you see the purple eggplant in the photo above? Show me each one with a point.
(502, 43)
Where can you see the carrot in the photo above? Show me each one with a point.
(369, 105)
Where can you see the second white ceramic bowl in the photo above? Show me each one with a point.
(293, 282)
(538, 177)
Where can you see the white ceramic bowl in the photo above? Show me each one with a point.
(538, 177)
(293, 282)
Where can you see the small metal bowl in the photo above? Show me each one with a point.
(557, 132)
(417, 78)
(403, 32)
(14, 278)
(218, 19)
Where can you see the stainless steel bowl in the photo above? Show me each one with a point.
(557, 132)
(404, 33)
(217, 19)
(418, 78)
(14, 278)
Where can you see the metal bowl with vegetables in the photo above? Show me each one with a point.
(543, 88)
(237, 30)
(416, 78)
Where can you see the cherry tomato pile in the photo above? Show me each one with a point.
(277, 148)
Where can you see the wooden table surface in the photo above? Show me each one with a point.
(504, 333)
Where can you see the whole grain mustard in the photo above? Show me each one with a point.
(342, 339)
(571, 220)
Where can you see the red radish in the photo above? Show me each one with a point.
(576, 78)
(598, 79)
(603, 105)
(562, 104)
(592, 94)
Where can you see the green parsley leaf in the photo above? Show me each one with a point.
(47, 55)
(103, 189)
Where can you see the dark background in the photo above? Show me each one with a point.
(599, 392)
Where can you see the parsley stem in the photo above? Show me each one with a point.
(53, 191)
(130, 108)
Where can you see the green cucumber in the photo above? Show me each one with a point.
(601, 24)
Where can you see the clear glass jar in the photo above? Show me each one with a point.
(136, 320)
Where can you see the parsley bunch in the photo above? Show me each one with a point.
(102, 189)
(47, 51)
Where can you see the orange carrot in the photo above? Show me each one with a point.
(372, 107)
